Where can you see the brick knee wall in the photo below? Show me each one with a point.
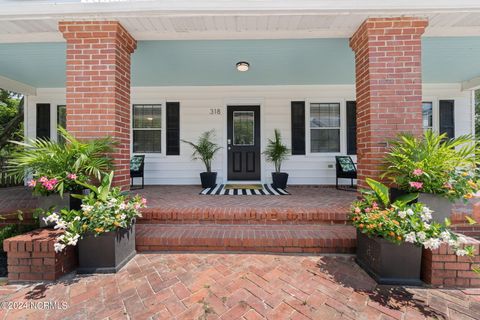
(31, 256)
(442, 267)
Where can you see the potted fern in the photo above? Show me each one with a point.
(205, 150)
(276, 152)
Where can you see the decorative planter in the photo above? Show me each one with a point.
(279, 180)
(396, 193)
(209, 179)
(3, 264)
(441, 207)
(54, 200)
(107, 252)
(389, 263)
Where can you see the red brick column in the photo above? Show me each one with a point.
(388, 85)
(98, 85)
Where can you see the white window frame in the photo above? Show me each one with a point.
(163, 139)
(343, 125)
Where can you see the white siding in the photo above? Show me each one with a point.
(195, 105)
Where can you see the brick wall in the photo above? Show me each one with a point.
(388, 86)
(31, 256)
(442, 267)
(98, 85)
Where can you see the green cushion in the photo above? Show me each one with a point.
(136, 163)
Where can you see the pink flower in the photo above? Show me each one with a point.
(32, 183)
(144, 201)
(416, 185)
(357, 210)
(447, 185)
(72, 176)
(43, 179)
(417, 172)
(367, 210)
(53, 181)
(374, 205)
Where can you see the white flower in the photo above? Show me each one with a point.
(410, 237)
(61, 225)
(461, 252)
(410, 212)
(462, 239)
(123, 216)
(51, 218)
(122, 206)
(77, 218)
(402, 214)
(73, 241)
(433, 243)
(445, 235)
(426, 225)
(421, 236)
(59, 247)
(427, 210)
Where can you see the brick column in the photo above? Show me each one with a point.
(98, 86)
(388, 85)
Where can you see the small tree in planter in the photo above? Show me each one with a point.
(55, 168)
(103, 228)
(205, 150)
(442, 170)
(390, 236)
(276, 152)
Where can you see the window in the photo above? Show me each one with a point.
(324, 127)
(427, 116)
(61, 120)
(243, 128)
(147, 128)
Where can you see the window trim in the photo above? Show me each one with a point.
(343, 124)
(162, 104)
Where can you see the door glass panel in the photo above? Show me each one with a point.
(243, 128)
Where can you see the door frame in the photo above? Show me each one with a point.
(242, 102)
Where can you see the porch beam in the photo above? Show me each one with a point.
(472, 84)
(388, 86)
(16, 86)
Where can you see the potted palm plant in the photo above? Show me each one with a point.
(205, 150)
(276, 152)
(103, 228)
(390, 236)
(441, 170)
(54, 168)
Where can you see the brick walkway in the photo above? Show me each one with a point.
(239, 286)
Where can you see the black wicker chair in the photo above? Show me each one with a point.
(346, 169)
(137, 165)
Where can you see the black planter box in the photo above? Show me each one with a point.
(107, 252)
(208, 179)
(279, 180)
(389, 263)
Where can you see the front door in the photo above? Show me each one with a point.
(243, 144)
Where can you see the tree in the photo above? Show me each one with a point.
(11, 119)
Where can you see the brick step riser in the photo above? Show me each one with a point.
(244, 222)
(273, 249)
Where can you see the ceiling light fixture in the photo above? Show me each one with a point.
(243, 66)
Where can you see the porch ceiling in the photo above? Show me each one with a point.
(212, 62)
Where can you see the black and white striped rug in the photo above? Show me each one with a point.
(267, 189)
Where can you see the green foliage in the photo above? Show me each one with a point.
(204, 149)
(276, 151)
(43, 158)
(9, 109)
(432, 163)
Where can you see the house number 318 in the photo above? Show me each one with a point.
(215, 111)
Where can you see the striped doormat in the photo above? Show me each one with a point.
(267, 189)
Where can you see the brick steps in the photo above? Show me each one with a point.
(256, 216)
(271, 238)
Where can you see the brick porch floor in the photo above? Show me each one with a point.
(238, 286)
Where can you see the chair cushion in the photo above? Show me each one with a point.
(136, 163)
(346, 164)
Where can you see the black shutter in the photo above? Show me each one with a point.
(447, 118)
(351, 127)
(43, 120)
(173, 128)
(298, 127)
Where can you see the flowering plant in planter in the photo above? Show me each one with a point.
(434, 164)
(58, 167)
(104, 209)
(401, 222)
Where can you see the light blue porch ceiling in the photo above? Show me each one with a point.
(273, 62)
